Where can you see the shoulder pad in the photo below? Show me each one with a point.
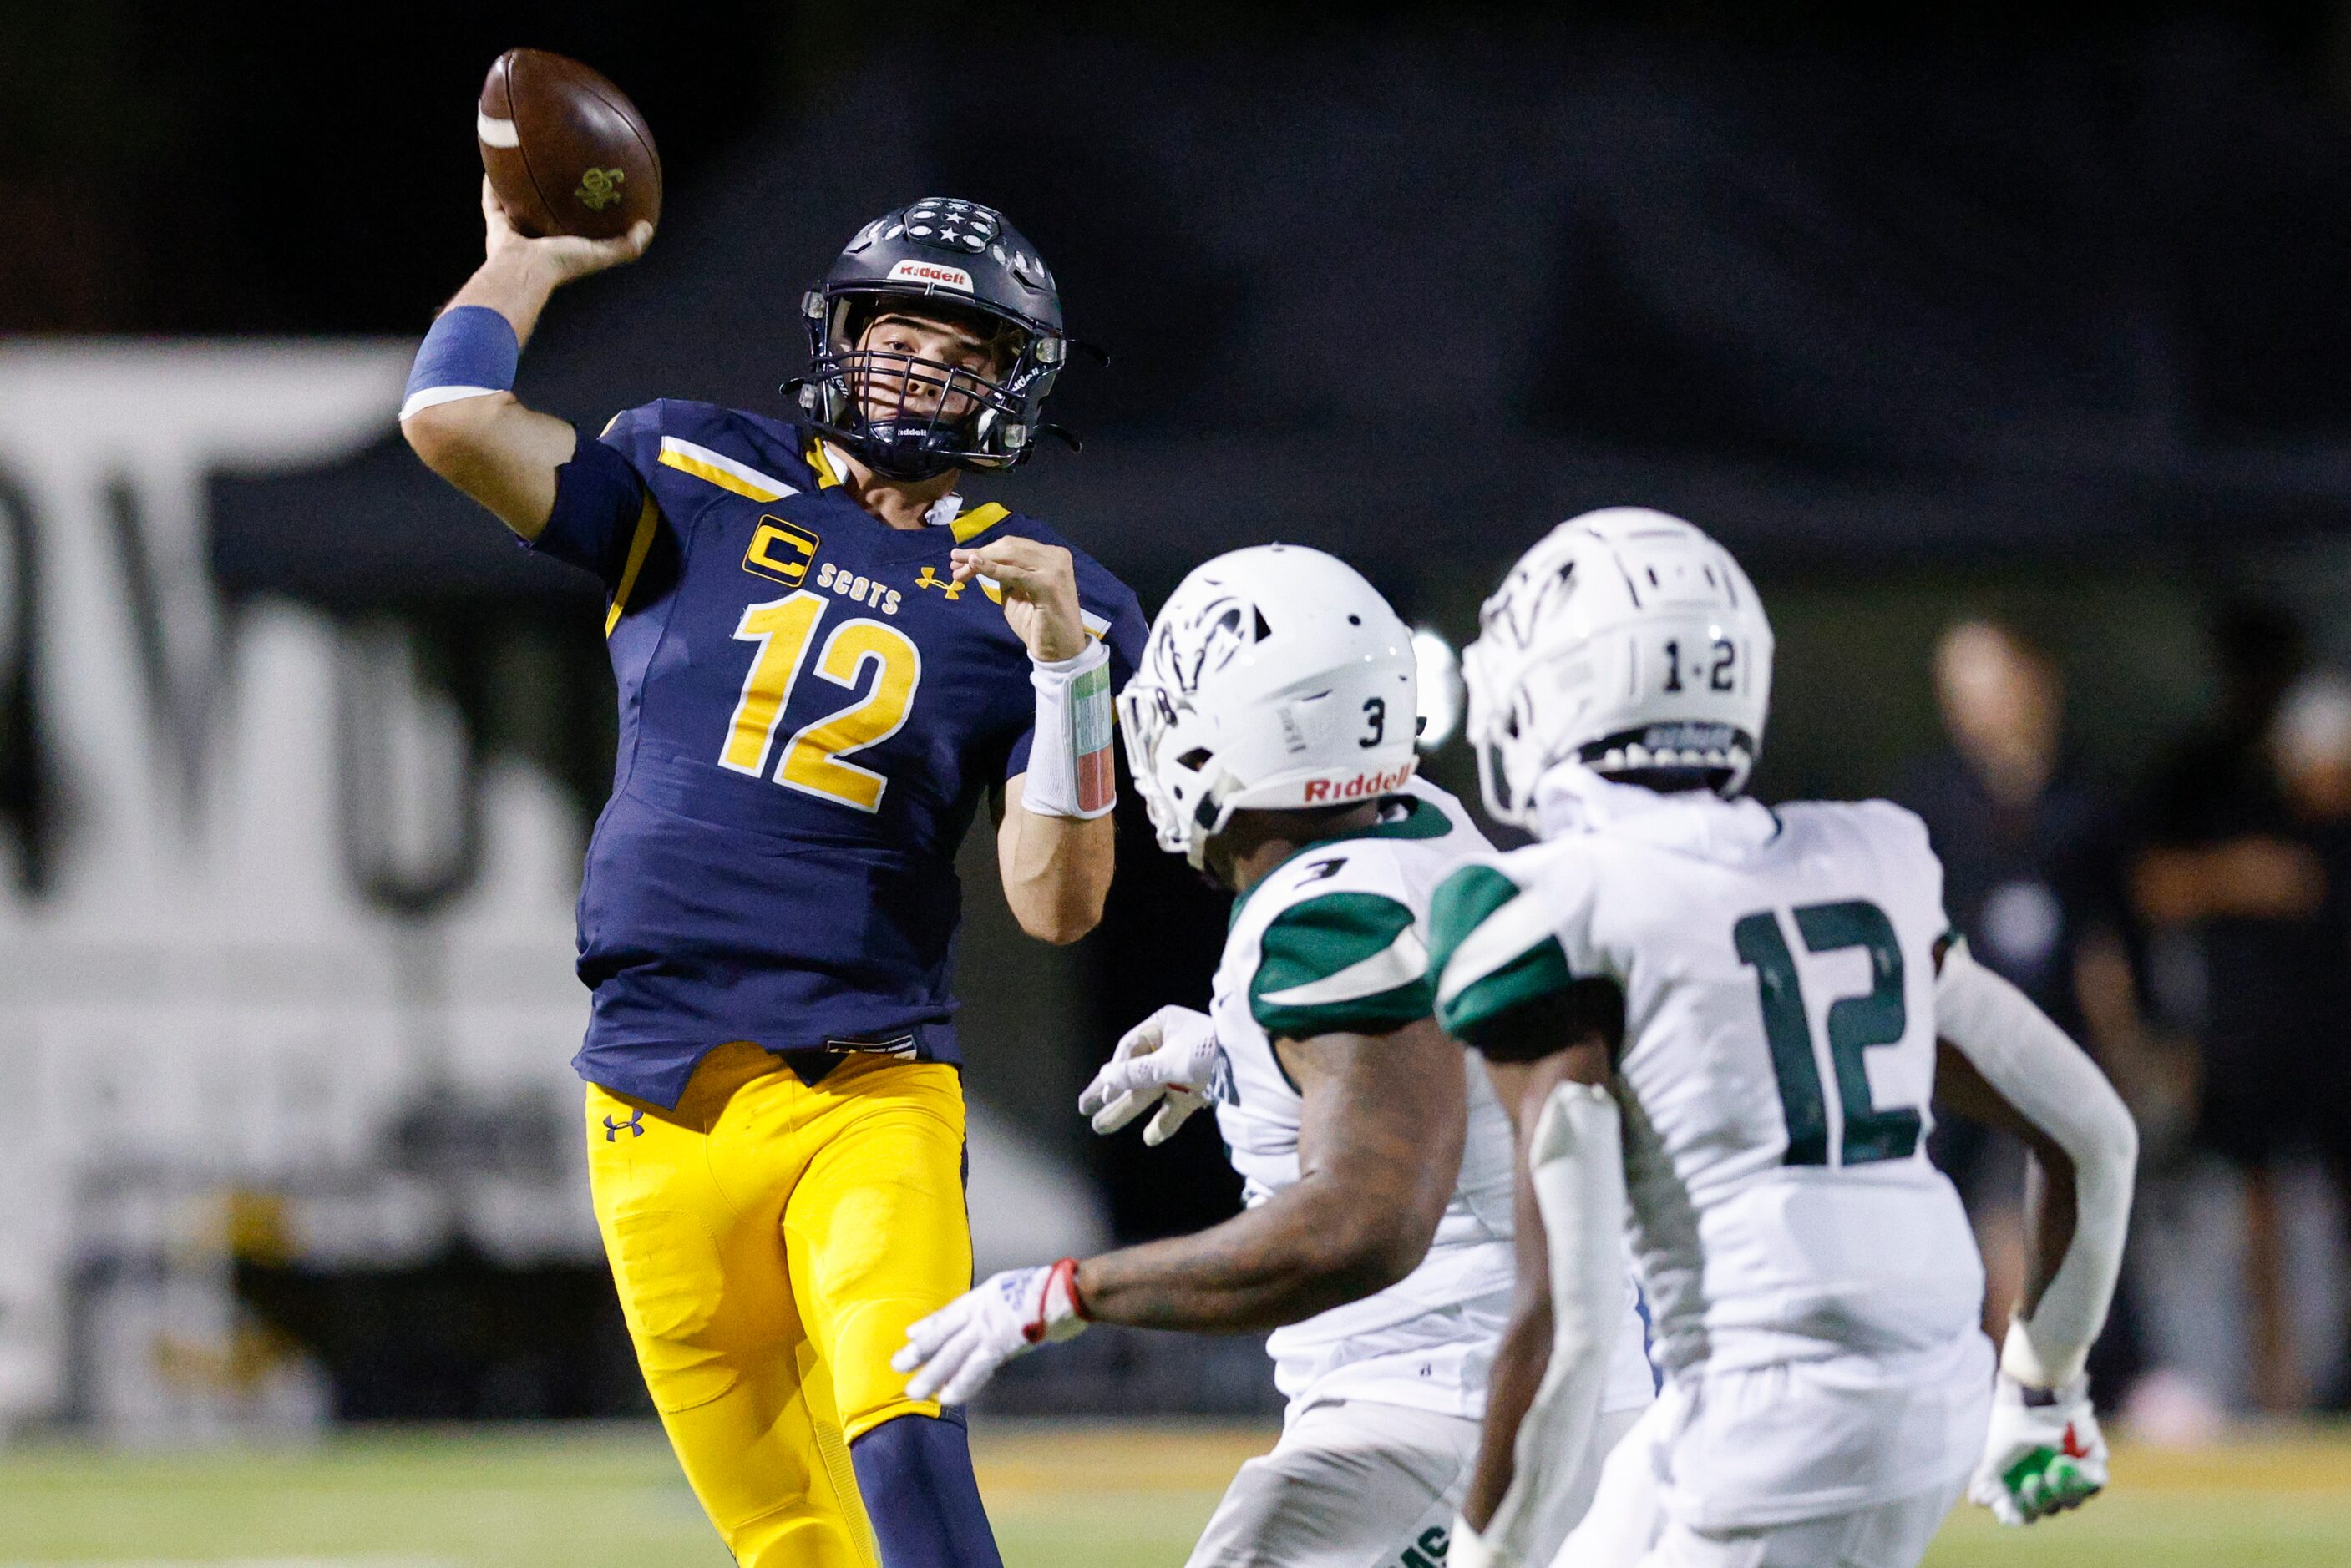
(1898, 823)
(633, 424)
(1348, 961)
(1494, 948)
(719, 446)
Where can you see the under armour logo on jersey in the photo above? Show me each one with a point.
(1322, 870)
(929, 578)
(635, 1124)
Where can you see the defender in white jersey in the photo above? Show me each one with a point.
(1731, 1016)
(1271, 729)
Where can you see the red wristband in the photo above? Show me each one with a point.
(1066, 1273)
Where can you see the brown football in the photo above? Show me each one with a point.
(567, 153)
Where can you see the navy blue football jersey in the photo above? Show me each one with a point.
(811, 711)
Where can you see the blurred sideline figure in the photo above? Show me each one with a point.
(1272, 731)
(2246, 883)
(2031, 878)
(1736, 1016)
(827, 660)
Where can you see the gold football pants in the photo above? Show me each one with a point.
(770, 1242)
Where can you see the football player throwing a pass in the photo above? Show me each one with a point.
(1272, 731)
(826, 659)
(1737, 1017)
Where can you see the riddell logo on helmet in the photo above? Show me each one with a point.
(1363, 786)
(934, 274)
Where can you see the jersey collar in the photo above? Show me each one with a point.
(828, 462)
(1571, 798)
(1401, 817)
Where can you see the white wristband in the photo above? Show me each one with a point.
(1070, 768)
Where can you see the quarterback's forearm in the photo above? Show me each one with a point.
(2052, 1215)
(1524, 1372)
(1056, 869)
(513, 281)
(500, 452)
(1310, 1248)
(491, 447)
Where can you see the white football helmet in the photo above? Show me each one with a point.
(1625, 640)
(1276, 679)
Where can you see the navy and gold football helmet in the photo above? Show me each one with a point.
(910, 417)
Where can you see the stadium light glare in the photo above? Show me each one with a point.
(1440, 687)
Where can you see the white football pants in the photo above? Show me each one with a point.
(1627, 1526)
(1358, 1485)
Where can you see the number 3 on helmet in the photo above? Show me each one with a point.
(1276, 679)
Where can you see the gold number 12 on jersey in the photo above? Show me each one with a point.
(812, 760)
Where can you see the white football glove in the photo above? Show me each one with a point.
(954, 1351)
(1167, 1060)
(2043, 1454)
(1465, 1548)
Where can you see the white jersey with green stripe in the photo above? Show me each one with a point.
(1777, 971)
(1334, 941)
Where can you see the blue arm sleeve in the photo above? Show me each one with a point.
(471, 350)
(597, 498)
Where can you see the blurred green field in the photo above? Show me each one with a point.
(1062, 1495)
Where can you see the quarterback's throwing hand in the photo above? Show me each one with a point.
(1040, 592)
(561, 258)
(2043, 1455)
(1169, 1060)
(954, 1351)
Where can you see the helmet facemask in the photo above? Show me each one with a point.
(911, 416)
(1176, 777)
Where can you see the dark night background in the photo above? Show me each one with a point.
(2037, 307)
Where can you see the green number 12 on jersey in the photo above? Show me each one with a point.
(1854, 1024)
